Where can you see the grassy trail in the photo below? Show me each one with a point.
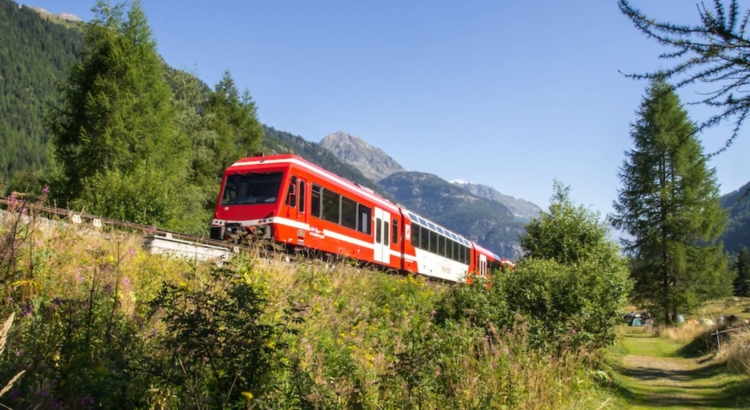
(655, 374)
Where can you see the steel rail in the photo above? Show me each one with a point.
(124, 225)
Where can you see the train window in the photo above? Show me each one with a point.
(315, 205)
(348, 213)
(444, 246)
(455, 251)
(365, 216)
(291, 194)
(302, 189)
(433, 242)
(424, 238)
(378, 230)
(331, 210)
(395, 232)
(386, 234)
(252, 188)
(415, 235)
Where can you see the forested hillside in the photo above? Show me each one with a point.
(34, 54)
(737, 232)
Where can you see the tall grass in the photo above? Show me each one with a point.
(102, 323)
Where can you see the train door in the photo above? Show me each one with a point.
(291, 198)
(382, 236)
(482, 268)
(302, 201)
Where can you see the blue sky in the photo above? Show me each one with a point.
(512, 94)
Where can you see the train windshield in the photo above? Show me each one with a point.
(252, 188)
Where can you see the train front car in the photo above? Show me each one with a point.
(294, 202)
(250, 198)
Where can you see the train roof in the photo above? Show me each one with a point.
(303, 163)
(487, 252)
(421, 221)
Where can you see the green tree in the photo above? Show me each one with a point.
(567, 289)
(116, 124)
(714, 52)
(572, 280)
(233, 117)
(566, 233)
(742, 281)
(669, 204)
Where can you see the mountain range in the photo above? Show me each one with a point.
(476, 211)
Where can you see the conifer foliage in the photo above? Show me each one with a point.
(234, 119)
(116, 147)
(669, 204)
(715, 52)
(741, 282)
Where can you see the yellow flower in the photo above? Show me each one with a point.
(247, 395)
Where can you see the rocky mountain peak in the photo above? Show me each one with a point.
(371, 161)
(522, 209)
(64, 16)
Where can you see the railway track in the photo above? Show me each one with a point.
(155, 240)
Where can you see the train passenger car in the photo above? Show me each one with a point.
(436, 251)
(292, 201)
(485, 261)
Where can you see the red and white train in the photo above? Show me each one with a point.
(294, 202)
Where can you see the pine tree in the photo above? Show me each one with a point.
(716, 52)
(669, 204)
(234, 118)
(117, 151)
(741, 283)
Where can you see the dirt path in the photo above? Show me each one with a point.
(655, 375)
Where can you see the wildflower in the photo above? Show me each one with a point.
(433, 312)
(126, 281)
(506, 350)
(45, 190)
(131, 251)
(27, 311)
(247, 395)
(87, 401)
(573, 331)
(20, 353)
